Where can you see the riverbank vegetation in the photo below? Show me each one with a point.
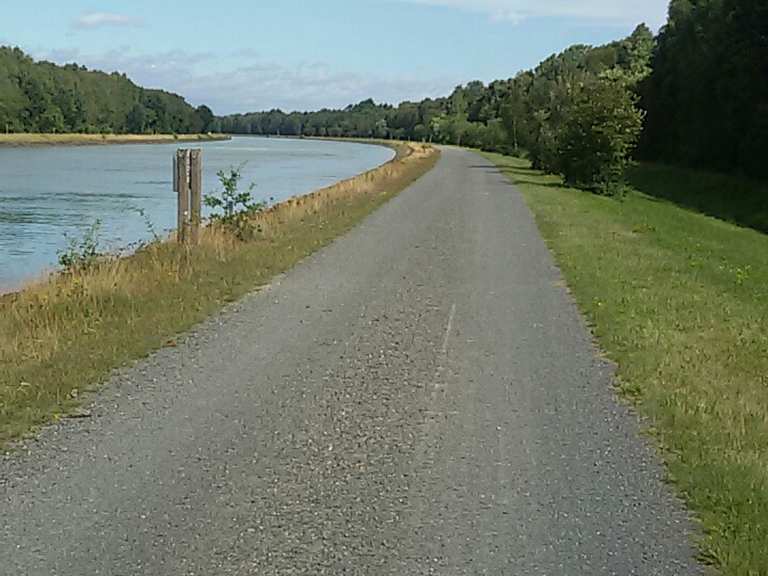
(41, 97)
(680, 301)
(21, 140)
(60, 337)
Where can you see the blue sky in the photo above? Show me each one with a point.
(292, 54)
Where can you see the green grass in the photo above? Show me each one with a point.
(63, 337)
(680, 301)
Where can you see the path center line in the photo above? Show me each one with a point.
(451, 317)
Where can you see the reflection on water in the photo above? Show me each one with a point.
(49, 193)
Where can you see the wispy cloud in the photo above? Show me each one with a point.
(652, 12)
(90, 20)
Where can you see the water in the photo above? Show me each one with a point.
(49, 194)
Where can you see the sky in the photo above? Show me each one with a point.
(242, 56)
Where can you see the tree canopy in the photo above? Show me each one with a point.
(44, 97)
(707, 96)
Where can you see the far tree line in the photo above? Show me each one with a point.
(44, 97)
(695, 94)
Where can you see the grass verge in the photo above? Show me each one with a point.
(680, 301)
(21, 140)
(61, 337)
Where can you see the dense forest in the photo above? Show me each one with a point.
(44, 97)
(707, 97)
(696, 94)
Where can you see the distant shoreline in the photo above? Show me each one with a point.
(36, 140)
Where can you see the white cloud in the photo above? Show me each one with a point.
(307, 86)
(91, 20)
(653, 12)
(254, 83)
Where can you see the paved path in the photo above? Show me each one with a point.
(421, 397)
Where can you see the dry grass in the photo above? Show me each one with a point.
(20, 140)
(369, 182)
(63, 336)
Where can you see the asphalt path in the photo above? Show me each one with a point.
(420, 397)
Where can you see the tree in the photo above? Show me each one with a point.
(514, 113)
(72, 106)
(136, 120)
(51, 121)
(600, 132)
(635, 53)
(205, 118)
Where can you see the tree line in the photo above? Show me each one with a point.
(696, 94)
(544, 112)
(44, 97)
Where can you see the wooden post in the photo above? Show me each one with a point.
(182, 170)
(196, 193)
(188, 184)
(176, 172)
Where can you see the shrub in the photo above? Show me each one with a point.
(601, 129)
(83, 253)
(237, 207)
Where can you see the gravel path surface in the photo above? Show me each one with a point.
(421, 397)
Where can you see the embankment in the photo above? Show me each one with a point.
(62, 337)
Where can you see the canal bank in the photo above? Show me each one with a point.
(62, 337)
(49, 195)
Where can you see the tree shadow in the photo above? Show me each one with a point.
(527, 171)
(506, 169)
(539, 183)
(486, 168)
(727, 197)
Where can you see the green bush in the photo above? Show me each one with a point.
(82, 253)
(601, 129)
(236, 206)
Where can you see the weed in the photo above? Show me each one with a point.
(237, 206)
(82, 253)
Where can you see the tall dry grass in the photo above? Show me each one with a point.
(371, 182)
(63, 335)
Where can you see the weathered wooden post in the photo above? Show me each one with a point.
(182, 165)
(187, 182)
(196, 193)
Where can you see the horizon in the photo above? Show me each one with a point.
(324, 59)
